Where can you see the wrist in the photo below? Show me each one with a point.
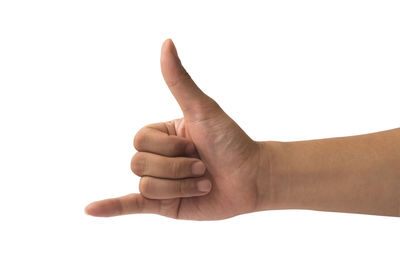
(268, 179)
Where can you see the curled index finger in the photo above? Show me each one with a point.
(158, 139)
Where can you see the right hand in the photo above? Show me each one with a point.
(234, 165)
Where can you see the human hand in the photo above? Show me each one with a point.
(231, 167)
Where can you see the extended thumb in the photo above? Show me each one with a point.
(181, 85)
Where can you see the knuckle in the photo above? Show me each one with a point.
(138, 164)
(119, 208)
(181, 79)
(184, 187)
(139, 204)
(176, 168)
(145, 186)
(181, 188)
(140, 139)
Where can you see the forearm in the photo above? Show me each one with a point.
(358, 174)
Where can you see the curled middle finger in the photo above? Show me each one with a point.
(149, 164)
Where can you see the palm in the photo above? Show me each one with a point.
(227, 152)
(230, 157)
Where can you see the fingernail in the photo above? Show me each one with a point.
(190, 150)
(198, 168)
(204, 186)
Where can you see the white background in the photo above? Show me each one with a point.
(79, 78)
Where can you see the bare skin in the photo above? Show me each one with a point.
(204, 167)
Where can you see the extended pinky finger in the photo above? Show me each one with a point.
(128, 204)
